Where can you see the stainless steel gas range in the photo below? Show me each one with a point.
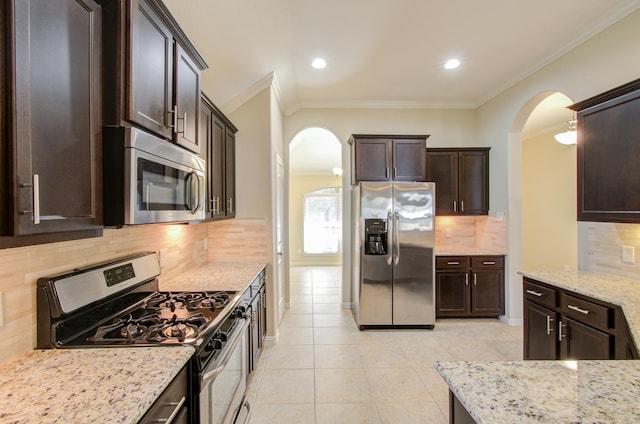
(118, 304)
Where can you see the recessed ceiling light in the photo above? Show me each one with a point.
(452, 64)
(319, 63)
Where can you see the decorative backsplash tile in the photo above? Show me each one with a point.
(604, 248)
(228, 241)
(484, 232)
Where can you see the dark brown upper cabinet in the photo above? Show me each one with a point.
(388, 157)
(152, 72)
(462, 180)
(608, 154)
(51, 135)
(218, 135)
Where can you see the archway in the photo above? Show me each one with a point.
(522, 225)
(315, 199)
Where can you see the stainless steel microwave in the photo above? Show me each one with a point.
(150, 180)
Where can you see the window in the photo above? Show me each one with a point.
(323, 221)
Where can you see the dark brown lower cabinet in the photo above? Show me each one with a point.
(559, 324)
(172, 402)
(469, 286)
(457, 413)
(539, 333)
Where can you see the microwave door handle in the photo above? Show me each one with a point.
(198, 181)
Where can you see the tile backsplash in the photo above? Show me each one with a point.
(184, 247)
(603, 253)
(484, 232)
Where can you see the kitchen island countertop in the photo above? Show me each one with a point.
(101, 385)
(546, 391)
(216, 276)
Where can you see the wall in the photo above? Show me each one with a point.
(607, 60)
(298, 186)
(604, 241)
(477, 232)
(549, 227)
(238, 240)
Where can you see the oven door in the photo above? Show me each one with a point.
(223, 382)
(165, 183)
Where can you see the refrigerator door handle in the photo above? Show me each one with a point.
(396, 238)
(390, 236)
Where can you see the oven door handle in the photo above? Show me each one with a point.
(228, 350)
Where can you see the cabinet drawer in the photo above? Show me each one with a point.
(540, 294)
(590, 313)
(487, 262)
(452, 262)
(172, 402)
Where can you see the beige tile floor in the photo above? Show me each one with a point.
(324, 370)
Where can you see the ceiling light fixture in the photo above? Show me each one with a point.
(452, 64)
(570, 136)
(337, 171)
(319, 63)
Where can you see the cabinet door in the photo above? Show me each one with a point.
(452, 293)
(579, 341)
(372, 160)
(57, 116)
(151, 74)
(487, 292)
(442, 168)
(473, 182)
(204, 135)
(230, 172)
(254, 345)
(263, 315)
(187, 101)
(539, 332)
(409, 160)
(607, 156)
(216, 167)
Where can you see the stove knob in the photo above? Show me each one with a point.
(213, 344)
(239, 312)
(222, 336)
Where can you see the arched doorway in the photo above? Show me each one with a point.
(541, 180)
(315, 200)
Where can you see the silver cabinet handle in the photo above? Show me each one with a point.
(549, 328)
(453, 263)
(560, 335)
(488, 263)
(36, 199)
(475, 279)
(174, 413)
(575, 308)
(395, 172)
(174, 118)
(535, 293)
(184, 123)
(455, 206)
(466, 279)
(230, 204)
(462, 206)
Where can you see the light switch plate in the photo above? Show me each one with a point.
(162, 257)
(628, 254)
(447, 232)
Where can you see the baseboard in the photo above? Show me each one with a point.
(511, 321)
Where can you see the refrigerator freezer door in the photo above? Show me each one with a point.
(376, 288)
(414, 241)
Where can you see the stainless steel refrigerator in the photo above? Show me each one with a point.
(393, 254)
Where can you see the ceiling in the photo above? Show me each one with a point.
(383, 52)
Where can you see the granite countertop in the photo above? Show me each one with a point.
(101, 385)
(216, 276)
(465, 251)
(546, 391)
(620, 291)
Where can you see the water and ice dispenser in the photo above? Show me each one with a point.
(375, 236)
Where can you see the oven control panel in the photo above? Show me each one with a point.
(119, 274)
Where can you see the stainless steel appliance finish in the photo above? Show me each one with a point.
(393, 254)
(149, 180)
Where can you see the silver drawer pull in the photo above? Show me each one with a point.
(535, 293)
(453, 263)
(488, 263)
(549, 328)
(575, 308)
